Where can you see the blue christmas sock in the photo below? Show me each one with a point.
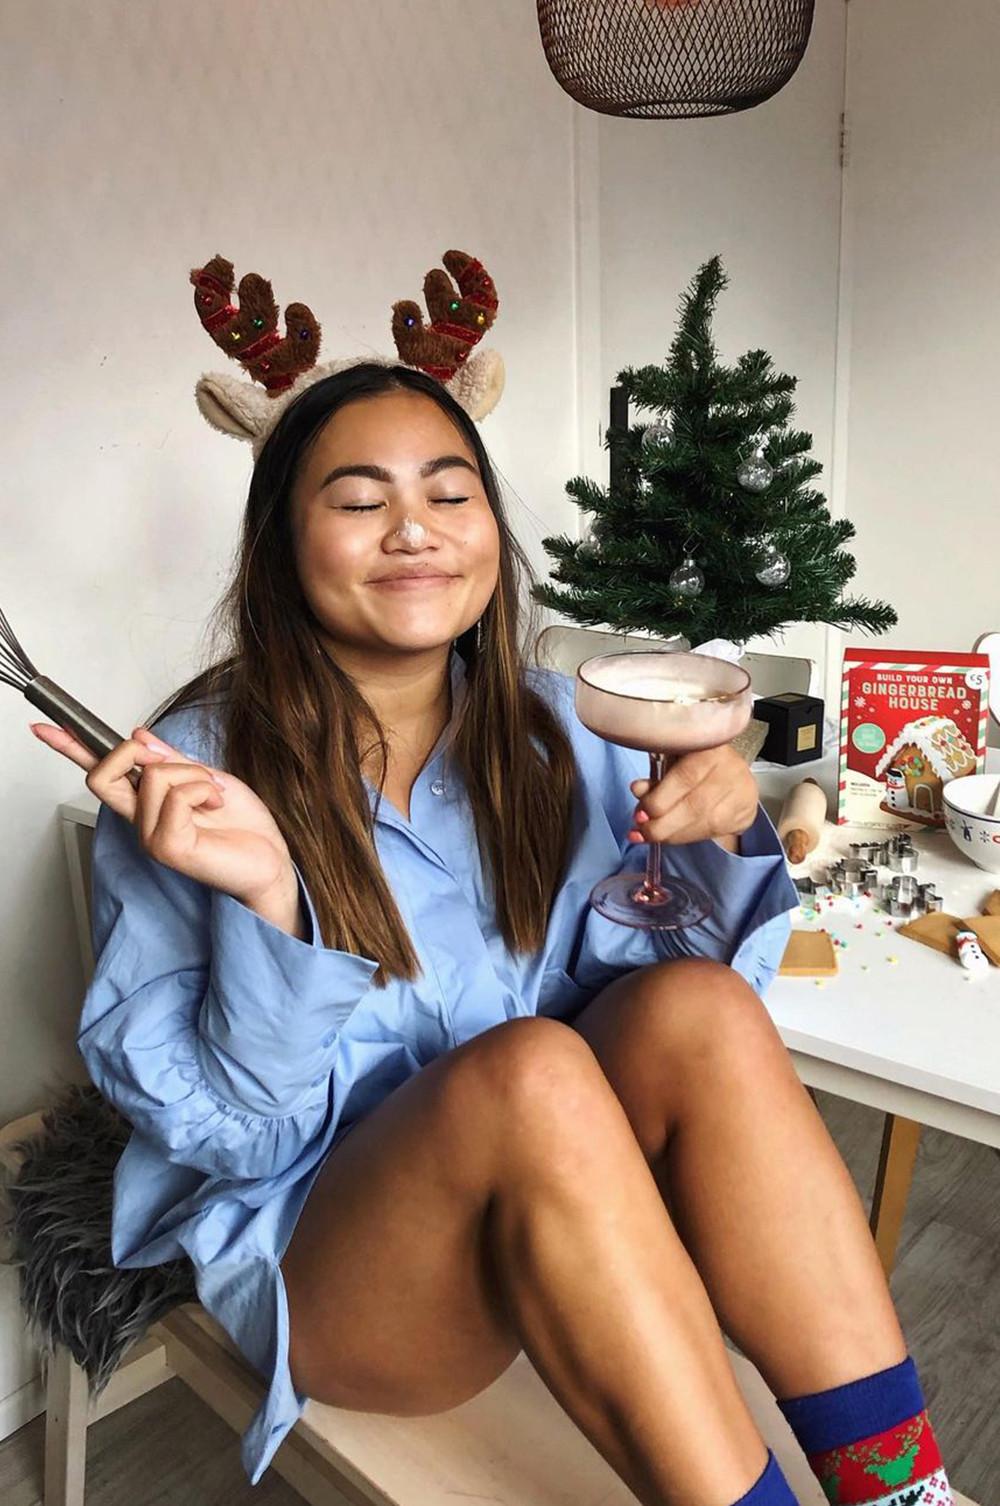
(772, 1489)
(870, 1442)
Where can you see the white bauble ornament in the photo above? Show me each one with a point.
(687, 580)
(774, 568)
(755, 474)
(660, 431)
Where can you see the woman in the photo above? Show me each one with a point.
(569, 1136)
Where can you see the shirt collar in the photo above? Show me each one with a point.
(459, 688)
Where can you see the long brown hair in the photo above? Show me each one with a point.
(289, 714)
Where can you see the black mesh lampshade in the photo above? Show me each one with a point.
(665, 59)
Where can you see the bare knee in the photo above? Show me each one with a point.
(696, 1010)
(534, 1090)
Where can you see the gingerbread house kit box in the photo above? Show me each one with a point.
(908, 724)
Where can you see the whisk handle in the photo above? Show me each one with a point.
(67, 712)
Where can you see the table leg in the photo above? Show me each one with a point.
(900, 1140)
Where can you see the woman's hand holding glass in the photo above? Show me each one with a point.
(707, 794)
(202, 822)
(671, 706)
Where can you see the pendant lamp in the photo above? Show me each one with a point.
(670, 59)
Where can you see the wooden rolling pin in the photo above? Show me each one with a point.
(801, 821)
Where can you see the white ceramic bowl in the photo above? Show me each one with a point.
(976, 835)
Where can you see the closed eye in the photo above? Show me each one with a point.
(371, 507)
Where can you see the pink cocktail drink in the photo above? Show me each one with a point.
(664, 704)
(664, 708)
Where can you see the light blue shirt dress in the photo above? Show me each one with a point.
(240, 1054)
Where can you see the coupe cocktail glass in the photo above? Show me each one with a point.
(663, 704)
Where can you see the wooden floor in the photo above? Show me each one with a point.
(168, 1449)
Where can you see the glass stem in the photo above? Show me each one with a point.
(659, 763)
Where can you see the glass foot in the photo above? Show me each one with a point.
(628, 899)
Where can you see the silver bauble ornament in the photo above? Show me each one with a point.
(774, 568)
(687, 580)
(755, 473)
(660, 431)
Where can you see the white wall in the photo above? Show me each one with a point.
(924, 204)
(339, 149)
(760, 188)
(877, 287)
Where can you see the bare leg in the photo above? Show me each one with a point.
(499, 1200)
(608, 1304)
(756, 1187)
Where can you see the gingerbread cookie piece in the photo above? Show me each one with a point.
(937, 930)
(987, 929)
(940, 930)
(809, 954)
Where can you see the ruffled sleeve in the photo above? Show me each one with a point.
(211, 1030)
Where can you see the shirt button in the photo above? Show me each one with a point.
(437, 788)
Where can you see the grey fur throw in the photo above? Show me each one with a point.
(59, 1231)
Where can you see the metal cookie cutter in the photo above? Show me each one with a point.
(903, 855)
(904, 893)
(930, 898)
(849, 877)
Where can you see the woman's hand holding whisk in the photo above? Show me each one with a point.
(203, 822)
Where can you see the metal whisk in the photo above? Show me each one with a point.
(17, 669)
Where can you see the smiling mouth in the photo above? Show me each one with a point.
(411, 581)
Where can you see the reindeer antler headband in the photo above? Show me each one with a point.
(282, 366)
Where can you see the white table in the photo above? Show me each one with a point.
(911, 1036)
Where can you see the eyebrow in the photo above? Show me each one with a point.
(379, 472)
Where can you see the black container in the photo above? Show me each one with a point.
(795, 723)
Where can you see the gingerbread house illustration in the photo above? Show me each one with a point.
(924, 756)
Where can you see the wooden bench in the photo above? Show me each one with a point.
(513, 1443)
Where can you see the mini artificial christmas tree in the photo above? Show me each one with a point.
(708, 528)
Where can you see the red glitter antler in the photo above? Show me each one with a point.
(249, 331)
(460, 319)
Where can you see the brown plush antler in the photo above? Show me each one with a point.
(459, 319)
(249, 332)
